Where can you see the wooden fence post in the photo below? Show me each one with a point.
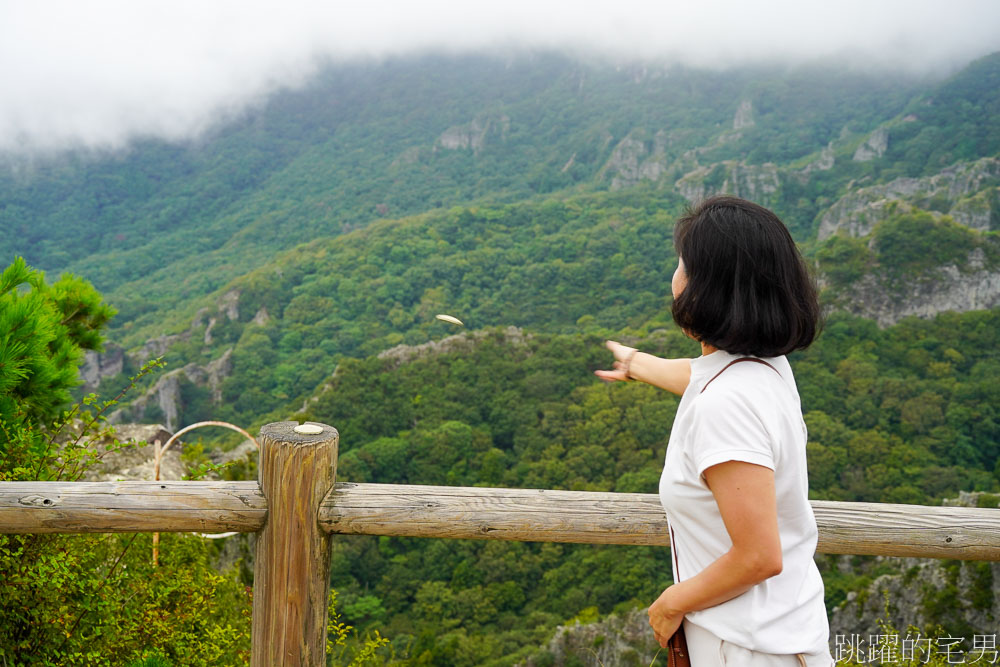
(298, 466)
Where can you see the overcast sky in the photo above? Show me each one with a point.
(97, 72)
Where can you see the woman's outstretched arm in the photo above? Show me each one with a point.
(670, 374)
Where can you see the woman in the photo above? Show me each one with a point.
(734, 483)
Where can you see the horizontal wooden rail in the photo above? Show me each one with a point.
(637, 518)
(472, 513)
(921, 531)
(527, 515)
(131, 507)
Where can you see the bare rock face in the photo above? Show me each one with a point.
(157, 347)
(229, 304)
(402, 354)
(744, 116)
(261, 317)
(756, 182)
(978, 211)
(218, 370)
(824, 162)
(874, 146)
(166, 393)
(615, 640)
(948, 288)
(633, 161)
(99, 365)
(136, 461)
(966, 190)
(208, 330)
(474, 135)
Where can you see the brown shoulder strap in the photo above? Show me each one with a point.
(673, 552)
(736, 361)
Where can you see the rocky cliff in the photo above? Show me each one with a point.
(162, 400)
(165, 395)
(475, 134)
(634, 160)
(618, 639)
(967, 191)
(757, 182)
(948, 288)
(874, 146)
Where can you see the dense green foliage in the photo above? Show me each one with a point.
(536, 265)
(89, 599)
(100, 599)
(952, 122)
(43, 333)
(537, 419)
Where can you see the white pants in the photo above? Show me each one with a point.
(707, 650)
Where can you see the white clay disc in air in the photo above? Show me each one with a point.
(449, 318)
(308, 429)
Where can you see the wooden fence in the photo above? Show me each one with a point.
(296, 506)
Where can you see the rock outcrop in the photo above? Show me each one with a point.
(824, 162)
(615, 640)
(136, 461)
(634, 160)
(874, 146)
(474, 134)
(744, 116)
(229, 304)
(165, 395)
(966, 190)
(757, 182)
(948, 288)
(402, 354)
(98, 365)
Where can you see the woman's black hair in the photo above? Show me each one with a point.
(748, 289)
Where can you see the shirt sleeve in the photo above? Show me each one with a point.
(727, 426)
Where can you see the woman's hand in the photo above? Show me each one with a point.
(664, 618)
(623, 354)
(630, 364)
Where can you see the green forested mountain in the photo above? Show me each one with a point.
(162, 223)
(553, 266)
(291, 263)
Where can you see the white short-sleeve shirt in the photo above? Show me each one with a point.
(748, 413)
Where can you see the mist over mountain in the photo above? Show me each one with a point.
(103, 75)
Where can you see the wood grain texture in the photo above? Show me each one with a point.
(922, 531)
(633, 518)
(471, 513)
(530, 515)
(292, 566)
(131, 507)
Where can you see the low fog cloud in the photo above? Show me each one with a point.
(96, 74)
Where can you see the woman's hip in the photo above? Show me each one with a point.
(708, 650)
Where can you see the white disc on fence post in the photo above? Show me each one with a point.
(308, 429)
